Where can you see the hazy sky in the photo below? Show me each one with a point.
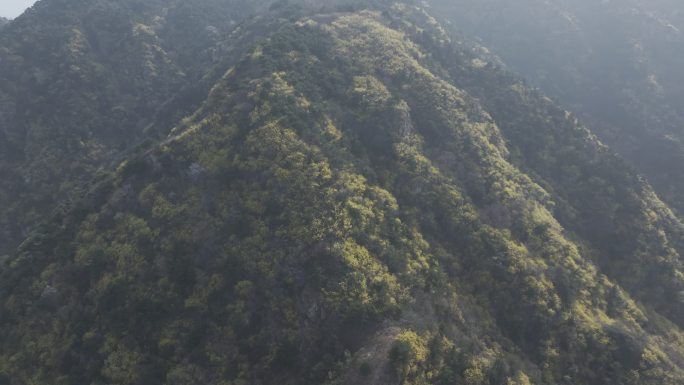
(13, 8)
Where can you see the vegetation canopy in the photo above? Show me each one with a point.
(234, 192)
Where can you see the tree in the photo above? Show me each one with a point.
(408, 353)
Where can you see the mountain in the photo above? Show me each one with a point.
(617, 64)
(3, 22)
(346, 195)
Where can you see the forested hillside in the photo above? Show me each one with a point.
(618, 64)
(347, 196)
(82, 82)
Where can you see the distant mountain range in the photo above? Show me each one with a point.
(618, 64)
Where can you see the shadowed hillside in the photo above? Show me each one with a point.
(618, 64)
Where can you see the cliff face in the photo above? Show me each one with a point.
(351, 196)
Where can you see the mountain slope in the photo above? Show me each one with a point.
(82, 82)
(616, 63)
(358, 200)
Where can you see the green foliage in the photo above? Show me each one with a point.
(407, 354)
(82, 86)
